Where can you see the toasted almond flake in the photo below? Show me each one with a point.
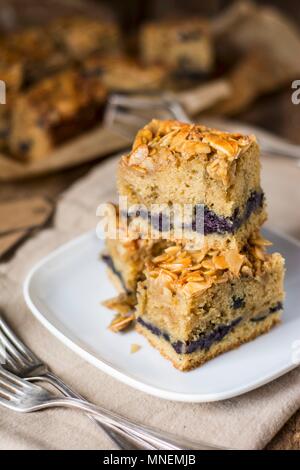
(195, 267)
(139, 169)
(195, 278)
(120, 323)
(135, 348)
(177, 267)
(260, 241)
(165, 272)
(191, 148)
(161, 258)
(123, 303)
(246, 270)
(148, 164)
(154, 274)
(174, 268)
(195, 287)
(170, 141)
(235, 261)
(172, 249)
(208, 264)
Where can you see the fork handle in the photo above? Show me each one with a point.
(153, 437)
(120, 440)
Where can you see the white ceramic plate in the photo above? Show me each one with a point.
(64, 291)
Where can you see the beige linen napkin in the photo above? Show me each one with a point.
(248, 421)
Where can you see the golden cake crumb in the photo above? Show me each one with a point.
(134, 348)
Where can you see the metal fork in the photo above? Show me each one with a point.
(127, 114)
(17, 358)
(25, 397)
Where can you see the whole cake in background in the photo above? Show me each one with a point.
(201, 294)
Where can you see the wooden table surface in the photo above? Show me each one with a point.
(276, 113)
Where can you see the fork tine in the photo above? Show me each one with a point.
(13, 379)
(4, 393)
(8, 388)
(10, 348)
(14, 340)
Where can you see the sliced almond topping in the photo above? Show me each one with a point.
(138, 155)
(167, 276)
(246, 270)
(171, 250)
(123, 303)
(161, 258)
(258, 253)
(260, 241)
(173, 267)
(139, 169)
(135, 348)
(194, 277)
(195, 267)
(195, 287)
(220, 262)
(190, 148)
(120, 323)
(148, 164)
(208, 264)
(226, 145)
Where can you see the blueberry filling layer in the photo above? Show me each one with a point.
(109, 262)
(205, 340)
(213, 223)
(274, 309)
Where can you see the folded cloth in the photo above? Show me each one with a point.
(246, 422)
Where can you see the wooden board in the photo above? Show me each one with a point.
(91, 146)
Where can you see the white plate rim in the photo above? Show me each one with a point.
(122, 377)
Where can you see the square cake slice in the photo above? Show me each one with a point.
(174, 164)
(184, 46)
(124, 75)
(194, 306)
(54, 110)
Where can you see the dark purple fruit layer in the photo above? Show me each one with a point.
(274, 309)
(213, 223)
(109, 262)
(205, 340)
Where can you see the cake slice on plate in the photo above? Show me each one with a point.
(212, 174)
(193, 306)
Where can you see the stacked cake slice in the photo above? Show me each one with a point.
(193, 254)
